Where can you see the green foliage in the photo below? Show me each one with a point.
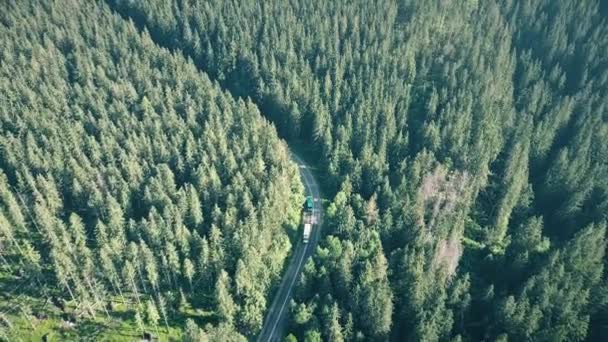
(554, 305)
(225, 306)
(462, 141)
(127, 176)
(291, 338)
(312, 336)
(192, 333)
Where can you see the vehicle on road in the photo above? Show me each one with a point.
(308, 218)
(307, 230)
(308, 205)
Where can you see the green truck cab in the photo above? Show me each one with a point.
(308, 205)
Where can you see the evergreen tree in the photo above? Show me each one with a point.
(225, 306)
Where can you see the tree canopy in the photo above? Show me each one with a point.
(128, 176)
(462, 145)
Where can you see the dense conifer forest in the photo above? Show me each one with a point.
(462, 148)
(128, 177)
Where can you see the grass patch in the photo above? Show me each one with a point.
(26, 316)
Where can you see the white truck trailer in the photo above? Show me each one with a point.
(307, 230)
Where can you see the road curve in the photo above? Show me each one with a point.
(274, 322)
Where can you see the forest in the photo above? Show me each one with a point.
(132, 185)
(146, 183)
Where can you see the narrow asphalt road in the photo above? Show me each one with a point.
(275, 321)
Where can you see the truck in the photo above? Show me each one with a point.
(307, 230)
(308, 218)
(308, 205)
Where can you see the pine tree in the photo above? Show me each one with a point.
(335, 330)
(224, 304)
(152, 316)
